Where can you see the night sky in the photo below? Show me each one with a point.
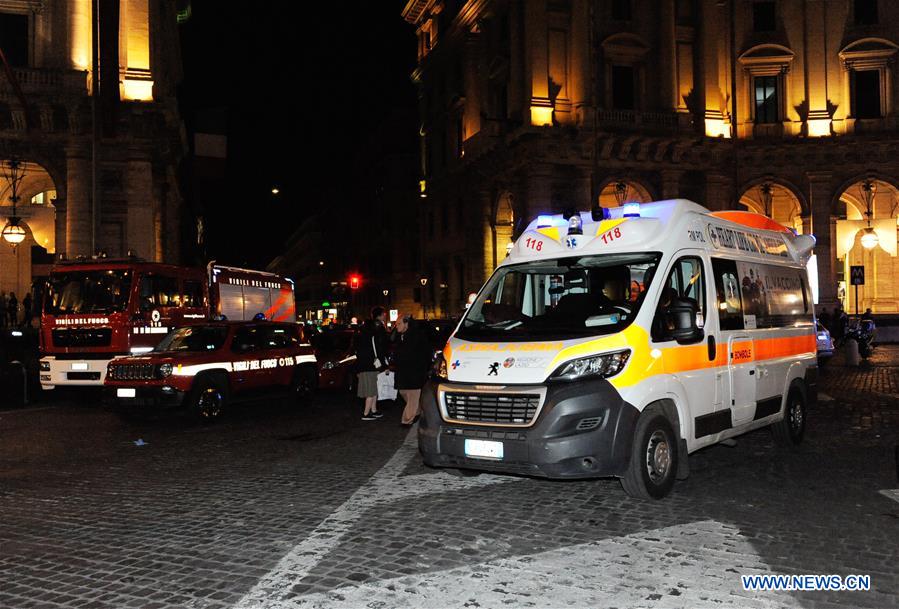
(304, 89)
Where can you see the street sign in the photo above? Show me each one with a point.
(394, 314)
(856, 275)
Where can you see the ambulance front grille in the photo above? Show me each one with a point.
(132, 372)
(511, 408)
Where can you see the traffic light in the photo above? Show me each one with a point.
(355, 280)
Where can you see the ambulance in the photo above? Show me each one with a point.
(614, 342)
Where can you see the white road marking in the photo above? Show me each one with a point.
(691, 565)
(386, 485)
(891, 493)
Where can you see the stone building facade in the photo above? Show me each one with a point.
(89, 187)
(785, 107)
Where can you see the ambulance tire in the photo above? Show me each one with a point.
(654, 458)
(304, 384)
(790, 430)
(208, 398)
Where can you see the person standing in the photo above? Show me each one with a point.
(371, 359)
(13, 309)
(27, 310)
(3, 308)
(413, 361)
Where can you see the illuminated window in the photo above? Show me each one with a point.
(623, 88)
(14, 34)
(866, 94)
(42, 198)
(766, 99)
(621, 10)
(865, 12)
(763, 16)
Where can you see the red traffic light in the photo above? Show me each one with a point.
(355, 280)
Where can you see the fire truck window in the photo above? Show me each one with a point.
(193, 294)
(247, 339)
(159, 291)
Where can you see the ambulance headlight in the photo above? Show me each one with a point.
(601, 366)
(440, 370)
(165, 370)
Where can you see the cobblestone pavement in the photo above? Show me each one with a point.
(282, 508)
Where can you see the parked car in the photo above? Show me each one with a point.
(335, 352)
(825, 344)
(206, 367)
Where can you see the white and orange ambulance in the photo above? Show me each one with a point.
(615, 342)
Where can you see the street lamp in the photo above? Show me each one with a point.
(868, 189)
(424, 293)
(766, 193)
(385, 292)
(13, 171)
(621, 189)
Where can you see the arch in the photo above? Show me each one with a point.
(855, 179)
(766, 52)
(637, 191)
(869, 44)
(41, 219)
(784, 183)
(624, 46)
(786, 206)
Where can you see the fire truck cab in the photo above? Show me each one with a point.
(98, 309)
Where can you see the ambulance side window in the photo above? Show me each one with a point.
(729, 300)
(686, 280)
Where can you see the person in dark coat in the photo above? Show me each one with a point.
(371, 358)
(27, 310)
(413, 363)
(12, 306)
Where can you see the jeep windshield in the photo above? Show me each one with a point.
(194, 339)
(563, 298)
(96, 291)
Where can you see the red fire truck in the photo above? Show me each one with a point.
(95, 310)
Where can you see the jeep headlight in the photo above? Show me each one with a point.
(165, 370)
(601, 366)
(439, 370)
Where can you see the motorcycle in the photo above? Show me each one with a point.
(862, 332)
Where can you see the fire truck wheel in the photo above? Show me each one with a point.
(209, 398)
(304, 383)
(653, 466)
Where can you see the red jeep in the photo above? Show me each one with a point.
(205, 367)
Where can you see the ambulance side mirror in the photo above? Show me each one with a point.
(682, 316)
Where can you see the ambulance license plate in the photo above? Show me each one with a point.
(483, 449)
(126, 392)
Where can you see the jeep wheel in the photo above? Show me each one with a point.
(654, 459)
(209, 401)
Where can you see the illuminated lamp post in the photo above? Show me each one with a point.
(13, 171)
(766, 194)
(621, 191)
(424, 305)
(868, 189)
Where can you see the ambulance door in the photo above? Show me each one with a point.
(742, 375)
(690, 364)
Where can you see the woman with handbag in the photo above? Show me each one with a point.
(371, 355)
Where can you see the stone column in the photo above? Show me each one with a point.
(538, 63)
(59, 225)
(718, 189)
(668, 96)
(139, 236)
(818, 121)
(539, 193)
(580, 78)
(671, 183)
(79, 218)
(713, 24)
(472, 83)
(820, 193)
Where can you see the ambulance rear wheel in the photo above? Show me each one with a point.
(653, 466)
(790, 430)
(208, 401)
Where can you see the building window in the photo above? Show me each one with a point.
(623, 88)
(766, 99)
(14, 34)
(763, 16)
(865, 12)
(42, 198)
(621, 10)
(866, 94)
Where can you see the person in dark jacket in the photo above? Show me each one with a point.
(12, 306)
(413, 362)
(371, 358)
(27, 310)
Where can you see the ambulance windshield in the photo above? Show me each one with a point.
(561, 298)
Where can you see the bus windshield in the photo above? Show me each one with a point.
(563, 298)
(95, 291)
(194, 338)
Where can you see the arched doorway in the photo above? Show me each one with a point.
(778, 202)
(502, 225)
(618, 191)
(866, 236)
(35, 195)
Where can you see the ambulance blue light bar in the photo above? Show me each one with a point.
(544, 221)
(631, 210)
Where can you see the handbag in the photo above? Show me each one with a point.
(377, 362)
(386, 387)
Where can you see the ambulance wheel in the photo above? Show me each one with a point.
(653, 465)
(209, 399)
(790, 430)
(304, 383)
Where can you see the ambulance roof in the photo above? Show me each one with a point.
(663, 226)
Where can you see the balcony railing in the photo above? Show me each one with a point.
(46, 81)
(636, 118)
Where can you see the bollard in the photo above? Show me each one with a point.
(851, 352)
